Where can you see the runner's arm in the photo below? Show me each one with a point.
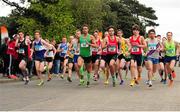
(32, 49)
(104, 43)
(45, 43)
(16, 45)
(143, 43)
(54, 49)
(93, 42)
(177, 49)
(58, 49)
(130, 46)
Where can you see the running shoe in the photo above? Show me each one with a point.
(26, 82)
(147, 82)
(62, 76)
(150, 83)
(40, 83)
(95, 77)
(87, 84)
(106, 82)
(121, 83)
(49, 77)
(81, 82)
(132, 82)
(13, 77)
(162, 80)
(136, 81)
(69, 79)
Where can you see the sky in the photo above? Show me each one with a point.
(167, 12)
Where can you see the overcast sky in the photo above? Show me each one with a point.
(167, 12)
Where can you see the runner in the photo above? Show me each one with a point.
(121, 50)
(84, 61)
(38, 47)
(171, 52)
(111, 42)
(23, 48)
(49, 57)
(154, 46)
(137, 44)
(70, 57)
(126, 60)
(162, 64)
(63, 47)
(96, 55)
(103, 62)
(76, 48)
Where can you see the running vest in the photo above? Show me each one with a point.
(170, 48)
(75, 47)
(95, 49)
(153, 46)
(104, 51)
(126, 49)
(85, 49)
(71, 53)
(39, 49)
(135, 49)
(122, 46)
(63, 46)
(112, 46)
(23, 48)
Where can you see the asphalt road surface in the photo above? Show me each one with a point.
(61, 95)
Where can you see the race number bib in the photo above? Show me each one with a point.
(152, 48)
(94, 49)
(135, 49)
(84, 45)
(50, 54)
(38, 47)
(170, 51)
(112, 48)
(21, 51)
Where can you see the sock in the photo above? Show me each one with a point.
(113, 78)
(88, 76)
(25, 72)
(169, 75)
(161, 73)
(82, 70)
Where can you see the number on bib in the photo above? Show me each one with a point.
(135, 49)
(112, 48)
(21, 51)
(170, 51)
(152, 48)
(84, 45)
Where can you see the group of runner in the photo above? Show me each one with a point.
(90, 54)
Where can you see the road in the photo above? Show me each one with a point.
(61, 95)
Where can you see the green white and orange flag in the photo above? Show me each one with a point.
(4, 33)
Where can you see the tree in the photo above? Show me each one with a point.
(56, 18)
(87, 12)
